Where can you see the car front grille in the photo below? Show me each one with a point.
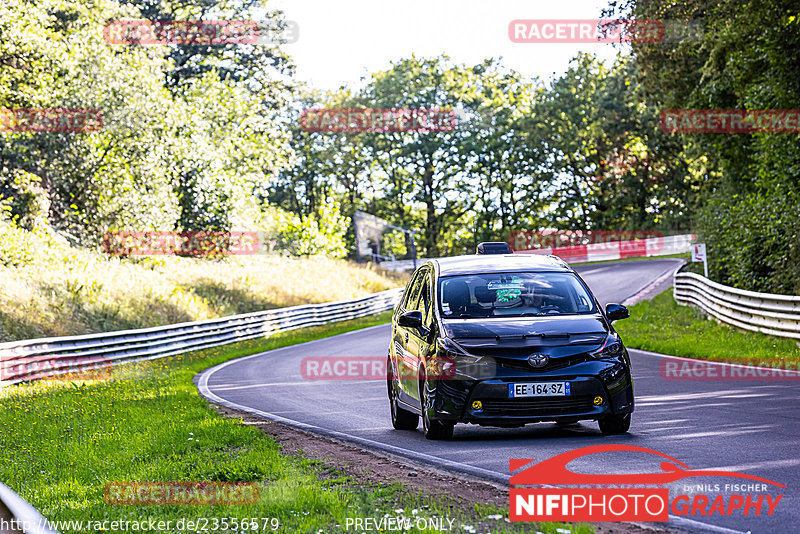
(552, 365)
(537, 406)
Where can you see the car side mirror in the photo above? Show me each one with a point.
(410, 319)
(615, 312)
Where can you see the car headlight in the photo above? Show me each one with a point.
(451, 358)
(611, 348)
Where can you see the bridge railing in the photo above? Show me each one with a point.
(39, 358)
(777, 315)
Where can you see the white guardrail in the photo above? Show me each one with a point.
(777, 315)
(33, 359)
(18, 517)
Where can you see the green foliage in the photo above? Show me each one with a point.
(744, 57)
(49, 288)
(203, 137)
(202, 205)
(259, 68)
(26, 200)
(149, 423)
(166, 158)
(583, 153)
(320, 233)
(18, 249)
(91, 178)
(753, 240)
(436, 182)
(612, 168)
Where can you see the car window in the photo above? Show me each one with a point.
(424, 302)
(513, 295)
(412, 294)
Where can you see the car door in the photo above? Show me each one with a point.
(417, 339)
(403, 358)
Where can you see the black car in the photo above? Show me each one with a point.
(505, 340)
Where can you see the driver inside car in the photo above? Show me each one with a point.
(456, 295)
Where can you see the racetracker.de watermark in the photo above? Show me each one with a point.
(374, 120)
(602, 31)
(51, 120)
(180, 493)
(103, 372)
(189, 525)
(66, 369)
(730, 121)
(199, 32)
(192, 243)
(375, 368)
(552, 239)
(758, 370)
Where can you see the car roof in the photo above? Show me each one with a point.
(499, 263)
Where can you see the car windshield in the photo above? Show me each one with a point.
(513, 295)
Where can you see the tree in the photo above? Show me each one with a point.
(610, 166)
(745, 57)
(259, 67)
(166, 160)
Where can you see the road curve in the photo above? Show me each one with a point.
(748, 426)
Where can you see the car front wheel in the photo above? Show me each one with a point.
(615, 424)
(401, 419)
(433, 429)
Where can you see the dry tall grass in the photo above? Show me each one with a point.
(50, 288)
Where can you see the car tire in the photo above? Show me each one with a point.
(434, 430)
(615, 424)
(401, 419)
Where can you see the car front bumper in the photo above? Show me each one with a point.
(609, 379)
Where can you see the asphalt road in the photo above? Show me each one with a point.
(746, 426)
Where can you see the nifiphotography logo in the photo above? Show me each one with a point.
(630, 497)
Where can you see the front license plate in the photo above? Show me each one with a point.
(538, 389)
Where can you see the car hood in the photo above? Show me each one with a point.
(518, 337)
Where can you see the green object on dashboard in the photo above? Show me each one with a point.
(507, 295)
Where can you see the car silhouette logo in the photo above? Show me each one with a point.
(553, 471)
(538, 359)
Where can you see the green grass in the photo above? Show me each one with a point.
(62, 442)
(661, 325)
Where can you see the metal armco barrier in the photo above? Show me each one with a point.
(777, 315)
(18, 517)
(33, 359)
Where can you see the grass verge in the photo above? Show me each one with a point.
(52, 288)
(661, 325)
(67, 440)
